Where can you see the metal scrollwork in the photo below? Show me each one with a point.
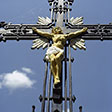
(100, 30)
(20, 29)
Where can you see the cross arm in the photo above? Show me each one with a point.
(94, 32)
(20, 31)
(24, 31)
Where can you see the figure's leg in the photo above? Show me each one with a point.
(53, 66)
(58, 72)
(58, 60)
(55, 61)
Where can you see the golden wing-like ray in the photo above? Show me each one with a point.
(40, 42)
(44, 21)
(78, 43)
(76, 21)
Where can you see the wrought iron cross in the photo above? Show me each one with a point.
(60, 16)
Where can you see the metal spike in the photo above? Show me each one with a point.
(45, 45)
(40, 45)
(35, 40)
(74, 47)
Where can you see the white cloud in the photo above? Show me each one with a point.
(16, 80)
(27, 70)
(1, 77)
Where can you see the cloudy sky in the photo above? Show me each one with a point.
(22, 70)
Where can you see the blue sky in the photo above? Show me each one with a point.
(92, 71)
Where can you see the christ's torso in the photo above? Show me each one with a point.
(59, 40)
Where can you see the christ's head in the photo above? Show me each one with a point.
(57, 30)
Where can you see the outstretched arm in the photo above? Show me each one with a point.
(77, 33)
(41, 33)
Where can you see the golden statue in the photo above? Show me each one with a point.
(55, 53)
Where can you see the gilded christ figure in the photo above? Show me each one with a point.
(55, 53)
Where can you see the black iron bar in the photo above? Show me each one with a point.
(33, 108)
(70, 81)
(44, 88)
(49, 91)
(6, 37)
(25, 26)
(29, 26)
(80, 109)
(65, 81)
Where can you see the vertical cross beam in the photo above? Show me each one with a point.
(57, 91)
(60, 13)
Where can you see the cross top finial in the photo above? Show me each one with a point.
(60, 11)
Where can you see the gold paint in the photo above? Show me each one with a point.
(59, 40)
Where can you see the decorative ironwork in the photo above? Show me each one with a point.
(60, 16)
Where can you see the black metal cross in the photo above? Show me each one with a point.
(60, 16)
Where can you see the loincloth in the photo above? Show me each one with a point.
(53, 50)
